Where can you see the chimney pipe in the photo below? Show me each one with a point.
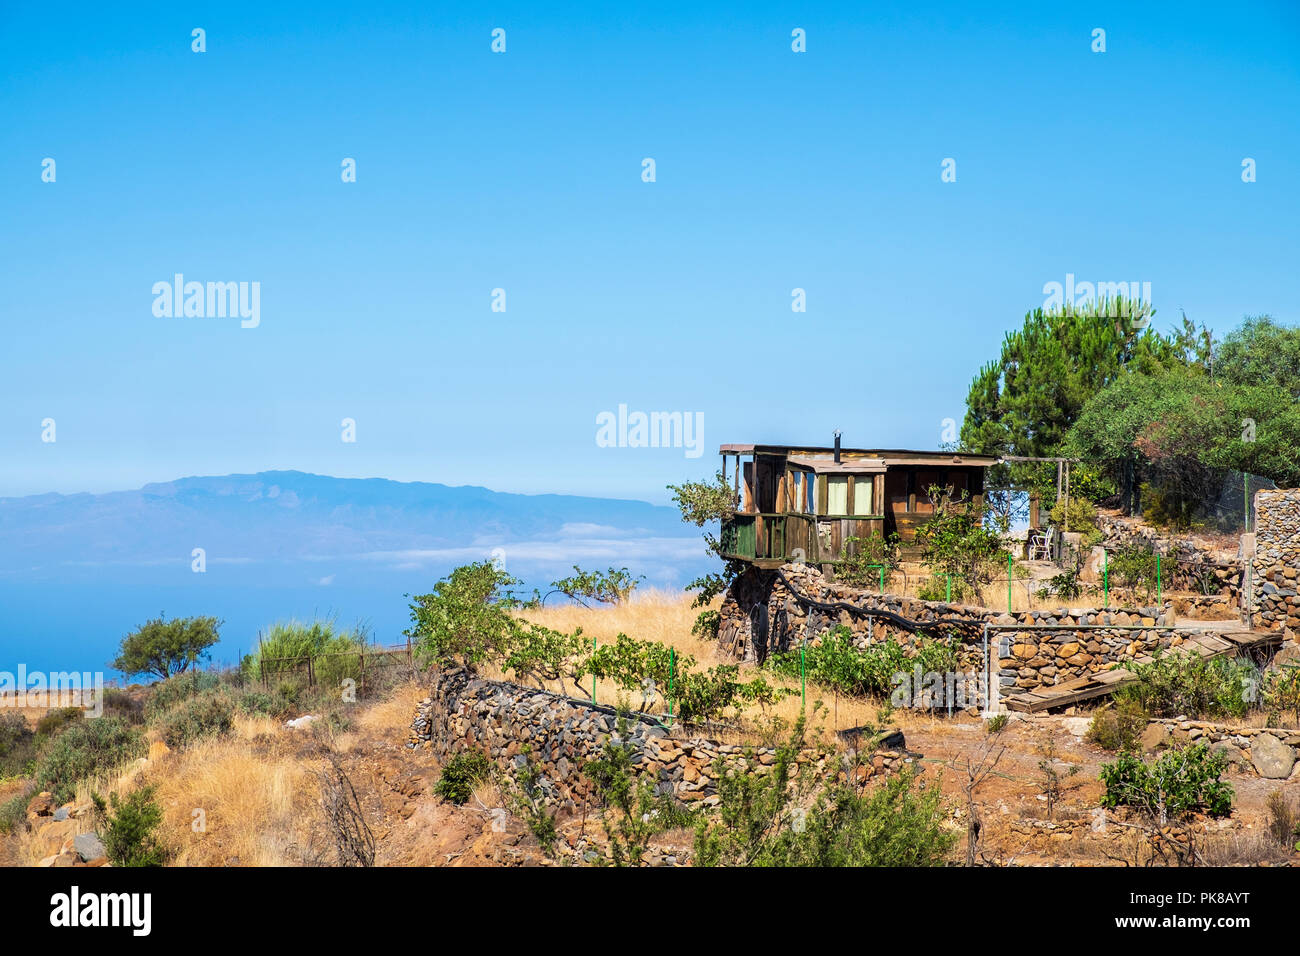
(837, 446)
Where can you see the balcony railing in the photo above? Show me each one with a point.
(772, 539)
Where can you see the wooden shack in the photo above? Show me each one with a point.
(804, 503)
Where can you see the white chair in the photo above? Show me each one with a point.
(1040, 546)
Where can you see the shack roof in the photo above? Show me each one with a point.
(887, 456)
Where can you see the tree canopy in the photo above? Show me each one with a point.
(163, 648)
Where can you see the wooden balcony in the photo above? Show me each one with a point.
(771, 540)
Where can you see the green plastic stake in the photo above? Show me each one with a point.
(803, 673)
(1157, 579)
(949, 598)
(672, 669)
(593, 676)
(1008, 582)
(1105, 576)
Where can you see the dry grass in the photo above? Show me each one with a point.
(392, 715)
(667, 618)
(258, 806)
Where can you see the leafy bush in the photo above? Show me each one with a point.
(163, 648)
(466, 619)
(706, 625)
(129, 833)
(783, 818)
(1280, 693)
(864, 558)
(166, 694)
(199, 716)
(533, 652)
(1176, 684)
(1118, 725)
(834, 662)
(461, 774)
(692, 694)
(631, 812)
(17, 744)
(1082, 515)
(255, 703)
(956, 542)
(1067, 585)
(13, 811)
(1179, 782)
(1132, 566)
(940, 587)
(52, 722)
(614, 586)
(84, 749)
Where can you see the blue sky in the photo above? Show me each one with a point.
(522, 171)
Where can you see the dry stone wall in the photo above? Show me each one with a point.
(1275, 566)
(514, 724)
(1269, 752)
(761, 614)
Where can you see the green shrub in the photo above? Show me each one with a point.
(1177, 684)
(706, 625)
(693, 695)
(13, 812)
(461, 774)
(83, 749)
(1132, 566)
(789, 818)
(202, 715)
(166, 694)
(939, 587)
(1177, 783)
(1118, 725)
(17, 744)
(129, 832)
(1082, 515)
(255, 703)
(52, 722)
(614, 586)
(285, 647)
(864, 559)
(834, 662)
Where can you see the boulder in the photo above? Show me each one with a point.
(41, 805)
(1272, 758)
(1236, 756)
(1154, 737)
(88, 846)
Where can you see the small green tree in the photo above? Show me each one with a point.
(1179, 782)
(956, 542)
(163, 648)
(632, 813)
(130, 837)
(466, 619)
(613, 586)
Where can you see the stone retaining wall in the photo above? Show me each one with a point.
(1269, 752)
(1275, 566)
(513, 724)
(1023, 659)
(1195, 567)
